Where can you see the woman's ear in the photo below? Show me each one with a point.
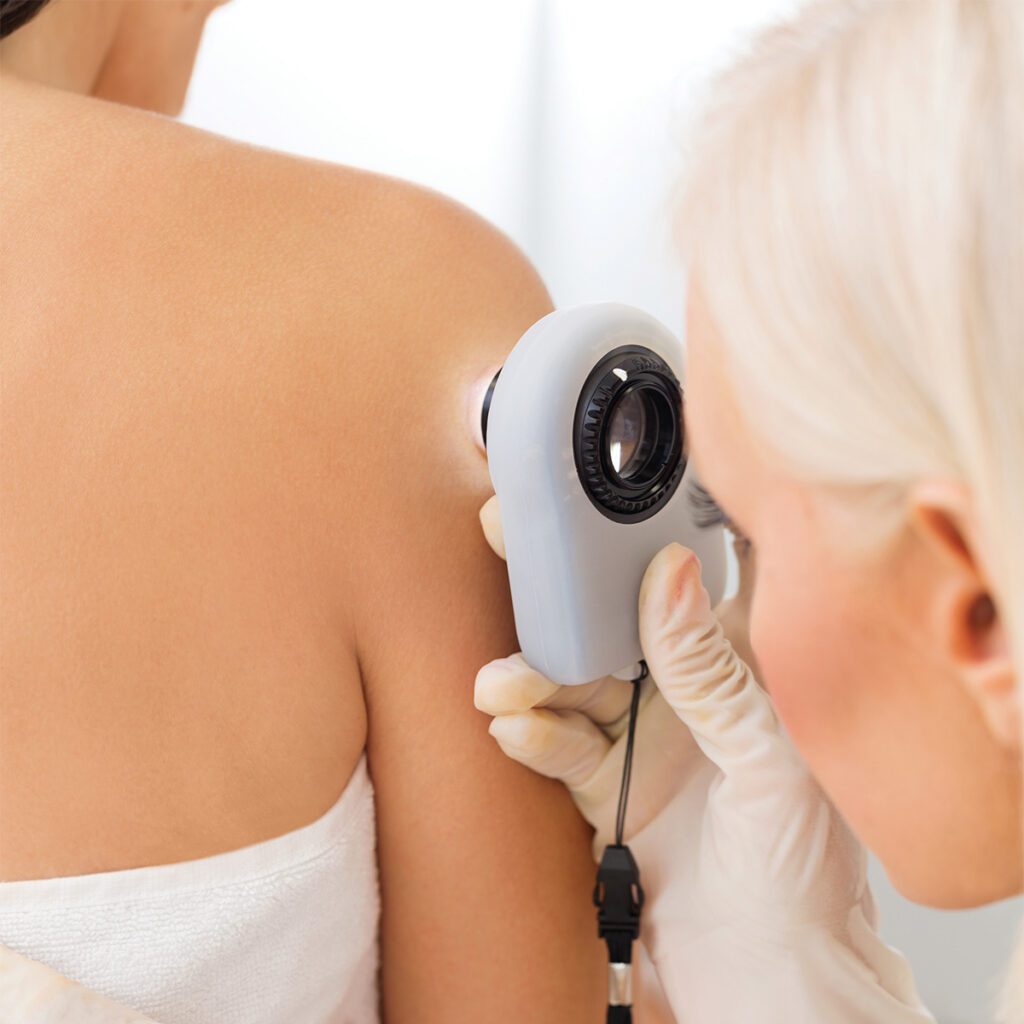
(966, 621)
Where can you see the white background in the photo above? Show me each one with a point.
(561, 121)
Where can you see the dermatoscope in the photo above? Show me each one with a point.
(583, 427)
(584, 432)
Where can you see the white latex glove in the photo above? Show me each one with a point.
(32, 993)
(757, 906)
(576, 733)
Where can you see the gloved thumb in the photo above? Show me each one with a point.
(706, 684)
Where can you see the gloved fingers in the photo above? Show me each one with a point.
(734, 615)
(510, 685)
(490, 520)
(561, 745)
(665, 758)
(567, 745)
(734, 612)
(704, 681)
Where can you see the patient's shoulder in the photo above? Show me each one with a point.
(309, 237)
(387, 253)
(360, 260)
(349, 314)
(390, 304)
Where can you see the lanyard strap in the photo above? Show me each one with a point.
(617, 894)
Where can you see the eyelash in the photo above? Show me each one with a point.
(707, 513)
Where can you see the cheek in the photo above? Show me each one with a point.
(824, 666)
(800, 640)
(888, 732)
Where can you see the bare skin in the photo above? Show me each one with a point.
(239, 541)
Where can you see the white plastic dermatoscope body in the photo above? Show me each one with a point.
(574, 570)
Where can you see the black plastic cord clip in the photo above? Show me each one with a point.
(619, 899)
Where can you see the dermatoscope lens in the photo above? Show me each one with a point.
(625, 431)
(640, 439)
(628, 434)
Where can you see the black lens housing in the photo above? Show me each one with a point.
(658, 456)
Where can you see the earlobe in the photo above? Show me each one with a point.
(994, 687)
(969, 625)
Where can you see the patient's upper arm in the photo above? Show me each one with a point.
(486, 874)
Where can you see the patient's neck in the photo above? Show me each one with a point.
(64, 46)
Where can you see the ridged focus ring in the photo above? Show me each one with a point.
(630, 380)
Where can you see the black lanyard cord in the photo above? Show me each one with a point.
(617, 894)
(627, 762)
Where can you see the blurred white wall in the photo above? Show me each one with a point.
(559, 120)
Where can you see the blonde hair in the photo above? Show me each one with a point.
(854, 214)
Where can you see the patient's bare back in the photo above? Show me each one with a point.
(239, 544)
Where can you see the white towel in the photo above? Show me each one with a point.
(282, 932)
(32, 993)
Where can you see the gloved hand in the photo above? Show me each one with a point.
(757, 903)
(32, 993)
